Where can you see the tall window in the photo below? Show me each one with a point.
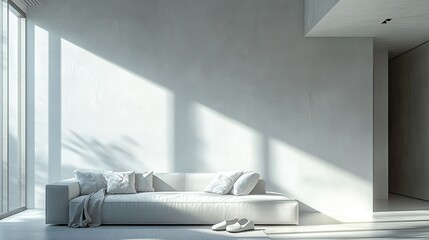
(12, 174)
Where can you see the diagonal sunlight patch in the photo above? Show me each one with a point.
(30, 216)
(223, 143)
(331, 190)
(398, 216)
(112, 118)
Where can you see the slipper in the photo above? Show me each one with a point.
(241, 226)
(222, 225)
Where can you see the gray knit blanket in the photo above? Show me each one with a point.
(88, 212)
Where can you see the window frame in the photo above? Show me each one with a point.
(8, 6)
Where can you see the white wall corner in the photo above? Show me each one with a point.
(315, 10)
(21, 5)
(381, 160)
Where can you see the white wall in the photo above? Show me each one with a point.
(201, 86)
(381, 156)
(408, 123)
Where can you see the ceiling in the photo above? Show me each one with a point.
(408, 28)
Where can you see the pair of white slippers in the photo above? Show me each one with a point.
(234, 225)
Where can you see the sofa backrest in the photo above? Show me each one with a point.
(191, 182)
(166, 182)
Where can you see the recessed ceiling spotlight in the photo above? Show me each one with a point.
(386, 21)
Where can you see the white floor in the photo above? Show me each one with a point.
(397, 218)
(30, 225)
(400, 203)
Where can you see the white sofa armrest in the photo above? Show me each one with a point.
(58, 196)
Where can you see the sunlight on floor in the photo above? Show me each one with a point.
(26, 216)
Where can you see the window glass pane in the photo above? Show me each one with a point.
(4, 88)
(12, 110)
(13, 141)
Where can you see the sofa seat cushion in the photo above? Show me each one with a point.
(194, 208)
(186, 197)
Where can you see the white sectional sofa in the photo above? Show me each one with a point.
(178, 199)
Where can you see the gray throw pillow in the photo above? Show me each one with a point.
(144, 182)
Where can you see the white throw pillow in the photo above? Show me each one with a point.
(144, 182)
(245, 183)
(120, 182)
(90, 181)
(223, 182)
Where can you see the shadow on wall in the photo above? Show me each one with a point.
(202, 90)
(117, 155)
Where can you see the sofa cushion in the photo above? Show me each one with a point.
(197, 182)
(259, 188)
(245, 183)
(194, 208)
(90, 181)
(120, 182)
(165, 182)
(223, 182)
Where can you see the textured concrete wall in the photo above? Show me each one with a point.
(409, 123)
(201, 86)
(315, 10)
(381, 152)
